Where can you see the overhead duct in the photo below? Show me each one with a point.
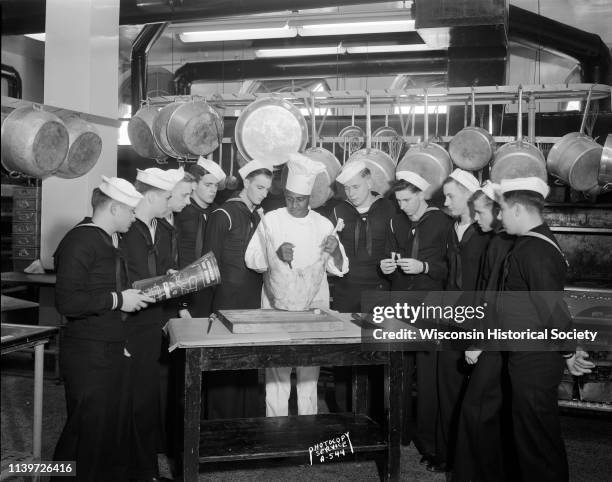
(14, 81)
(594, 56)
(28, 16)
(414, 63)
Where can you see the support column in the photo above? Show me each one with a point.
(81, 73)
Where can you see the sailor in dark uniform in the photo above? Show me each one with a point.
(147, 256)
(366, 215)
(92, 292)
(191, 225)
(466, 247)
(417, 238)
(535, 264)
(479, 442)
(233, 394)
(168, 237)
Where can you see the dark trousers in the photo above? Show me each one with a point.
(452, 381)
(479, 445)
(144, 346)
(534, 379)
(96, 433)
(427, 401)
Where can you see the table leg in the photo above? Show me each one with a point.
(361, 390)
(389, 467)
(38, 399)
(191, 427)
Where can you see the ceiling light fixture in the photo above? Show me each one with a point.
(300, 52)
(238, 34)
(347, 28)
(374, 49)
(36, 36)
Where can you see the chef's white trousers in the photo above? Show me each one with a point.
(278, 388)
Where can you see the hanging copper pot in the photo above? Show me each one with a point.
(605, 165)
(160, 129)
(84, 147)
(140, 132)
(575, 157)
(429, 160)
(519, 158)
(472, 147)
(194, 129)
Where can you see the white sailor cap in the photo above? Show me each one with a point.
(414, 179)
(177, 175)
(534, 184)
(212, 167)
(157, 177)
(350, 170)
(490, 189)
(466, 179)
(120, 190)
(251, 166)
(302, 173)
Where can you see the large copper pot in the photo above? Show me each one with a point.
(194, 129)
(85, 147)
(140, 132)
(575, 157)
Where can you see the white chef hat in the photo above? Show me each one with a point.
(120, 190)
(350, 170)
(302, 173)
(212, 167)
(157, 177)
(490, 189)
(414, 179)
(251, 166)
(534, 184)
(466, 179)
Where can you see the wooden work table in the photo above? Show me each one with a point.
(281, 437)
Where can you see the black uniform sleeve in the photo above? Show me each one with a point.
(72, 297)
(217, 228)
(545, 273)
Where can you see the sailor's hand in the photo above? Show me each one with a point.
(172, 271)
(387, 265)
(184, 313)
(285, 252)
(330, 244)
(578, 364)
(410, 265)
(134, 300)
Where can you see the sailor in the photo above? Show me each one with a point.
(417, 236)
(233, 394)
(533, 279)
(148, 255)
(365, 215)
(191, 225)
(300, 237)
(479, 445)
(93, 293)
(466, 246)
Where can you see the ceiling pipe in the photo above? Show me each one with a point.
(14, 81)
(28, 16)
(592, 53)
(414, 63)
(140, 50)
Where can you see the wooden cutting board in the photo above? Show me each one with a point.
(270, 320)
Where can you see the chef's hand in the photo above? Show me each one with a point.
(134, 300)
(471, 356)
(330, 244)
(387, 265)
(578, 364)
(172, 271)
(410, 265)
(285, 252)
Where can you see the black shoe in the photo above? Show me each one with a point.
(437, 467)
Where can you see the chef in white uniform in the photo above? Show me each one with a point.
(299, 236)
